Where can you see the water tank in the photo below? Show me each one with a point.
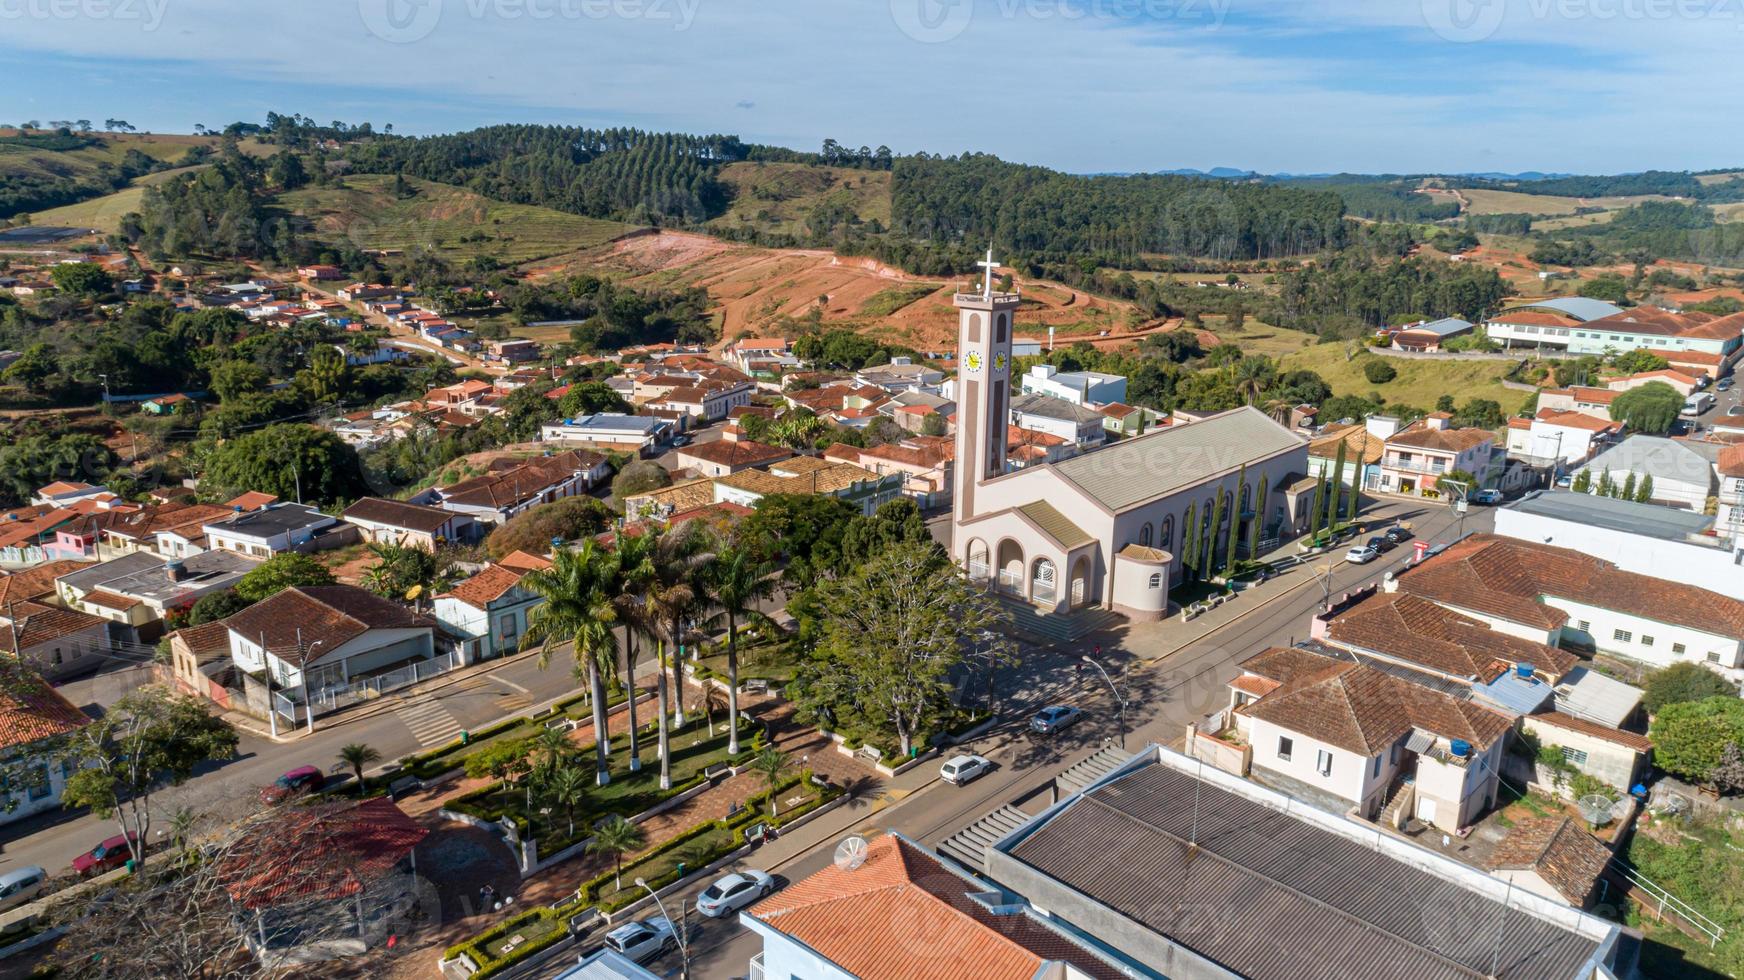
(1525, 671)
(1461, 748)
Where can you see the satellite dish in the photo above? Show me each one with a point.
(1596, 809)
(850, 853)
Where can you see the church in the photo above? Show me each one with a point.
(1101, 529)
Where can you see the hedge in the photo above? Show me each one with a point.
(488, 965)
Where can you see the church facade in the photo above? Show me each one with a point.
(1102, 529)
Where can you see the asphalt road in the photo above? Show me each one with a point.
(1162, 698)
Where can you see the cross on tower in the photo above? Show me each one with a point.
(987, 277)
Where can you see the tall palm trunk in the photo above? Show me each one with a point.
(665, 732)
(732, 683)
(630, 685)
(678, 672)
(601, 737)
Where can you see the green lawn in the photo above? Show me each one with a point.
(779, 197)
(1257, 337)
(527, 932)
(1420, 381)
(102, 213)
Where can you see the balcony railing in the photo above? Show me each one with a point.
(1043, 592)
(1436, 467)
(754, 969)
(980, 572)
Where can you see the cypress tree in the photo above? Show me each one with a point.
(1628, 488)
(1583, 482)
(1234, 520)
(1337, 483)
(1607, 488)
(1644, 492)
(1315, 511)
(1189, 540)
(1210, 535)
(1259, 508)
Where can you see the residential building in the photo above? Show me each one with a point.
(1578, 398)
(729, 454)
(1547, 324)
(35, 720)
(275, 530)
(1615, 756)
(515, 485)
(901, 912)
(1558, 438)
(318, 639)
(139, 589)
(320, 273)
(1679, 381)
(624, 433)
(1363, 449)
(1554, 857)
(1418, 456)
(181, 526)
(865, 490)
(384, 521)
(1414, 632)
(63, 493)
(1190, 871)
(1073, 423)
(709, 402)
(757, 355)
(514, 351)
(923, 461)
(1085, 388)
(489, 611)
(902, 374)
(1684, 546)
(912, 409)
(1682, 470)
(1729, 513)
(1566, 598)
(1428, 336)
(56, 642)
(1356, 736)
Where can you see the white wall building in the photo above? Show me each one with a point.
(1663, 542)
(1078, 387)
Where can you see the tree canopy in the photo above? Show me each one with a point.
(278, 573)
(1652, 408)
(1683, 682)
(1690, 737)
(288, 460)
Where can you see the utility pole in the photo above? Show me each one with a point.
(1112, 690)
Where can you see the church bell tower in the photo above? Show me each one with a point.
(984, 330)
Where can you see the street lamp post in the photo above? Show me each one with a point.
(1118, 700)
(678, 930)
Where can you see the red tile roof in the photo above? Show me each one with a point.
(31, 710)
(486, 587)
(330, 615)
(1408, 627)
(1567, 722)
(1366, 710)
(1568, 858)
(34, 582)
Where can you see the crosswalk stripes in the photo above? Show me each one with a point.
(430, 722)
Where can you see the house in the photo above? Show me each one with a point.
(1553, 857)
(1339, 730)
(320, 273)
(514, 351)
(1614, 755)
(64, 493)
(1682, 546)
(515, 485)
(1121, 420)
(276, 529)
(1684, 384)
(1729, 515)
(1428, 336)
(902, 374)
(1682, 471)
(625, 433)
(359, 292)
(1416, 457)
(1558, 438)
(913, 409)
(489, 611)
(923, 461)
(316, 640)
(729, 454)
(35, 721)
(1190, 871)
(710, 401)
(1364, 445)
(182, 522)
(200, 662)
(1579, 398)
(1566, 598)
(385, 521)
(839, 923)
(1415, 632)
(56, 642)
(1073, 423)
(666, 502)
(1083, 388)
(139, 589)
(865, 490)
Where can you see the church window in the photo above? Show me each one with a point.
(974, 328)
(1144, 535)
(999, 329)
(1166, 538)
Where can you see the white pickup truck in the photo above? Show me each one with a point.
(642, 941)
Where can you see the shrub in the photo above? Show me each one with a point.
(1378, 372)
(1684, 682)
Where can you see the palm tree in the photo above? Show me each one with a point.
(771, 764)
(797, 429)
(578, 608)
(357, 755)
(736, 581)
(635, 569)
(616, 837)
(673, 594)
(712, 701)
(567, 788)
(551, 747)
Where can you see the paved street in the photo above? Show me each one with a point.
(1165, 687)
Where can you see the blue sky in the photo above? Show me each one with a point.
(1083, 85)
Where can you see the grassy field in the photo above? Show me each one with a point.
(895, 298)
(778, 197)
(1256, 337)
(102, 213)
(1484, 201)
(456, 222)
(1420, 382)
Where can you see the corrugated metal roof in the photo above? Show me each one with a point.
(1055, 524)
(1591, 695)
(1273, 897)
(1650, 520)
(1132, 471)
(1576, 306)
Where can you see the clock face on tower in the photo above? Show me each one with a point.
(973, 362)
(999, 362)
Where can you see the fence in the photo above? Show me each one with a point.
(1664, 905)
(361, 689)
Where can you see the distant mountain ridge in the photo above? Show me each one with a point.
(1233, 173)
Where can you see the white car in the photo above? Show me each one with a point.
(642, 941)
(19, 887)
(734, 892)
(1362, 554)
(964, 768)
(1053, 718)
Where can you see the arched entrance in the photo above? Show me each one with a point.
(1010, 565)
(1081, 581)
(977, 562)
(1044, 583)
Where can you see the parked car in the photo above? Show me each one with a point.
(1054, 718)
(962, 769)
(20, 886)
(1399, 534)
(1489, 498)
(733, 892)
(1381, 543)
(1565, 481)
(642, 941)
(680, 441)
(1725, 384)
(1362, 554)
(107, 856)
(303, 779)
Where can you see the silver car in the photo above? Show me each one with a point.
(733, 892)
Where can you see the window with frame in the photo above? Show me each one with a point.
(1713, 656)
(1677, 648)
(1156, 580)
(1646, 641)
(1323, 762)
(1622, 636)
(39, 785)
(1584, 626)
(1377, 774)
(1285, 746)
(1166, 537)
(1573, 756)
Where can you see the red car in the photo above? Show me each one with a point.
(107, 856)
(303, 779)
